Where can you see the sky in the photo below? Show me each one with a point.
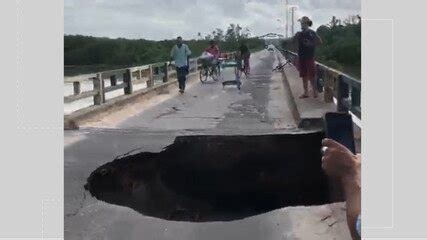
(167, 19)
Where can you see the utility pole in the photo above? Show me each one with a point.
(293, 8)
(287, 18)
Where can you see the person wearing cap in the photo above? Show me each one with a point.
(307, 40)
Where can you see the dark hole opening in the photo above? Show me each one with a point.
(216, 178)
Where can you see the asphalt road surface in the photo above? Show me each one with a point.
(260, 107)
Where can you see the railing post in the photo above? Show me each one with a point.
(98, 85)
(195, 65)
(150, 82)
(355, 97)
(342, 94)
(328, 85)
(113, 80)
(355, 101)
(77, 89)
(127, 79)
(320, 79)
(166, 77)
(190, 65)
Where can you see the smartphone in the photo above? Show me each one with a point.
(339, 127)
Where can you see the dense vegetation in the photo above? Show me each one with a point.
(103, 53)
(341, 48)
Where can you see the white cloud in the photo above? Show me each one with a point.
(165, 19)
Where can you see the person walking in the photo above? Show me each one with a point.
(246, 55)
(307, 40)
(180, 53)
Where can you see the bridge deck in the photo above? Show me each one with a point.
(261, 106)
(306, 108)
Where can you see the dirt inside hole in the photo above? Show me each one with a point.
(216, 178)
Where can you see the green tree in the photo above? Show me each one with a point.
(341, 48)
(104, 53)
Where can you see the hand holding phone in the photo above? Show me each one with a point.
(339, 127)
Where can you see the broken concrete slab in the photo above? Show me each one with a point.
(99, 220)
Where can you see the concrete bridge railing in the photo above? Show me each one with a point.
(335, 84)
(146, 73)
(156, 75)
(130, 76)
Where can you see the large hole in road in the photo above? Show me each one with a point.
(216, 178)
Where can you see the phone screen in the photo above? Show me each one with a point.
(339, 127)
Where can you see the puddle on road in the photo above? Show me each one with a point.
(216, 178)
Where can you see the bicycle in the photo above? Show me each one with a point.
(241, 68)
(281, 66)
(210, 71)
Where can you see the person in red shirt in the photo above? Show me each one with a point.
(214, 50)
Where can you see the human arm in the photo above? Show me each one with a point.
(295, 38)
(340, 163)
(313, 40)
(188, 51)
(318, 41)
(172, 54)
(352, 191)
(293, 44)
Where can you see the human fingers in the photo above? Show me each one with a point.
(330, 143)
